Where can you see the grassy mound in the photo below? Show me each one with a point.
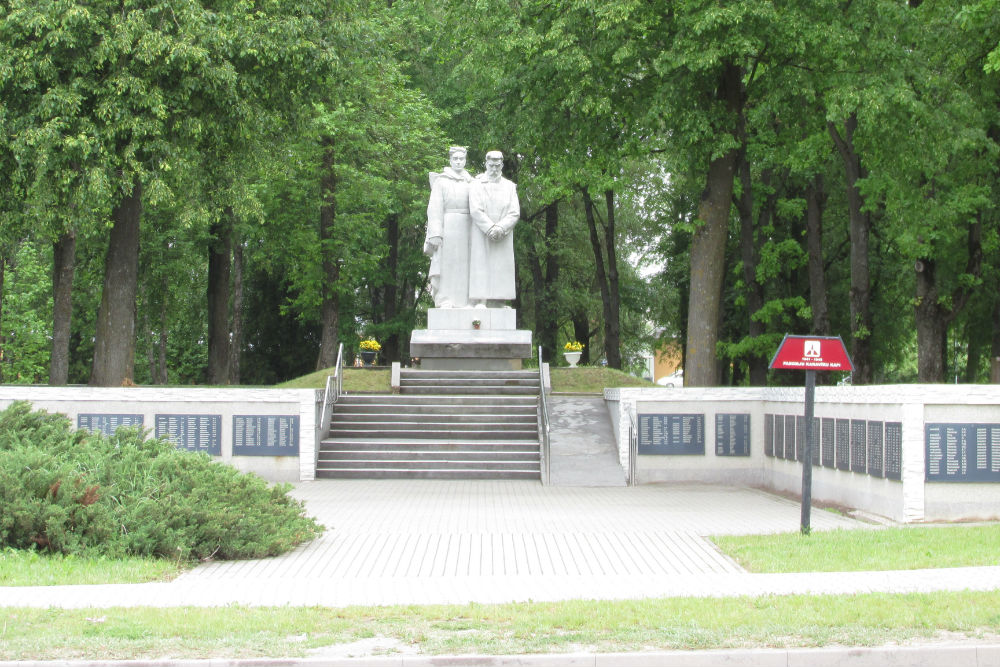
(70, 492)
(585, 379)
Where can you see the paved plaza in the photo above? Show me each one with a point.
(425, 542)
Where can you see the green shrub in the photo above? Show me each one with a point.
(72, 492)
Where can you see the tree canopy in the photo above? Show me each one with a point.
(225, 191)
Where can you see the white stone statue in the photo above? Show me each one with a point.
(495, 210)
(448, 229)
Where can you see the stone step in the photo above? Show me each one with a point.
(469, 389)
(433, 399)
(428, 460)
(529, 408)
(439, 417)
(406, 373)
(501, 383)
(430, 432)
(392, 473)
(424, 444)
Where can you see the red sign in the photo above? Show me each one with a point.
(812, 353)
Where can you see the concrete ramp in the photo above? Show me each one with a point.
(582, 443)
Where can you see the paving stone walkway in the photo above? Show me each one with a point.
(424, 542)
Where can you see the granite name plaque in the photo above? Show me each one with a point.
(843, 427)
(962, 452)
(779, 436)
(828, 441)
(789, 437)
(894, 450)
(769, 435)
(732, 434)
(265, 435)
(106, 424)
(800, 438)
(195, 433)
(875, 448)
(859, 445)
(672, 434)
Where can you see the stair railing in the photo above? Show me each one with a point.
(544, 426)
(334, 388)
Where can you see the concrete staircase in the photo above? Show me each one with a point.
(442, 425)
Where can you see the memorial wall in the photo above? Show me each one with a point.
(907, 452)
(267, 431)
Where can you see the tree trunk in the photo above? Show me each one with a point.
(610, 298)
(3, 272)
(708, 251)
(390, 350)
(236, 340)
(161, 377)
(860, 226)
(932, 317)
(545, 278)
(330, 309)
(750, 255)
(63, 268)
(815, 201)
(581, 332)
(994, 347)
(114, 337)
(219, 268)
(932, 327)
(612, 327)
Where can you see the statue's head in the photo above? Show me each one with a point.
(494, 163)
(456, 156)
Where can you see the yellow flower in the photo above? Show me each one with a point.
(370, 344)
(574, 346)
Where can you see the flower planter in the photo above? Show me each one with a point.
(368, 356)
(572, 358)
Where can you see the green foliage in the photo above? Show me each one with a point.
(70, 492)
(25, 325)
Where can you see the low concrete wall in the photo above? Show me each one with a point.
(225, 403)
(910, 408)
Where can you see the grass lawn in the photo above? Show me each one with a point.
(29, 568)
(903, 548)
(643, 625)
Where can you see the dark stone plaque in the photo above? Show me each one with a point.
(828, 442)
(800, 438)
(962, 452)
(995, 449)
(672, 434)
(789, 437)
(106, 423)
(732, 434)
(894, 450)
(875, 448)
(195, 433)
(843, 444)
(815, 442)
(779, 436)
(769, 435)
(859, 445)
(265, 435)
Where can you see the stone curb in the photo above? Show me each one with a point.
(952, 654)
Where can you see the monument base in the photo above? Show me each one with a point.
(452, 343)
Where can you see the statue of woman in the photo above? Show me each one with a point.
(448, 230)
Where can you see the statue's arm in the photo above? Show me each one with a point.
(513, 212)
(435, 212)
(477, 208)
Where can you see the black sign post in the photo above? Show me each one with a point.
(810, 353)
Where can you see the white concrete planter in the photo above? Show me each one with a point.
(572, 358)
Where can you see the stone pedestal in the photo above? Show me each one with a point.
(451, 342)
